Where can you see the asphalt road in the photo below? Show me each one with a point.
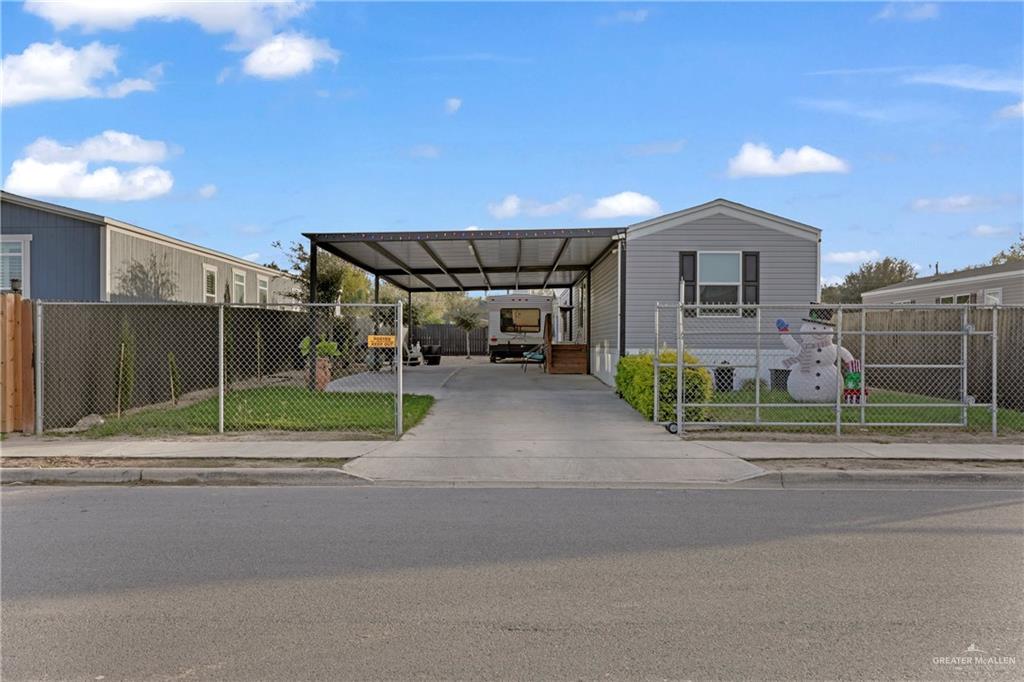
(397, 583)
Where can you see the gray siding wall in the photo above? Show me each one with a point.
(64, 255)
(604, 323)
(788, 271)
(1012, 284)
(185, 269)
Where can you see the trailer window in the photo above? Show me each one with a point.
(520, 320)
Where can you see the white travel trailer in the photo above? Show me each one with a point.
(516, 323)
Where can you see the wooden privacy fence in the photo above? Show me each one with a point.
(16, 367)
(451, 339)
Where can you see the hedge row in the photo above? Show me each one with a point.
(634, 381)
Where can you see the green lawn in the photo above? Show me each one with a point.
(277, 408)
(978, 418)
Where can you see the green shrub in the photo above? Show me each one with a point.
(634, 381)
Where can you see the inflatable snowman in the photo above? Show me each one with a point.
(813, 373)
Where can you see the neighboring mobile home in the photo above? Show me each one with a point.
(62, 254)
(991, 284)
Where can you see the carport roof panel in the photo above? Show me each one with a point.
(473, 259)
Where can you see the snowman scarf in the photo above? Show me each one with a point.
(807, 350)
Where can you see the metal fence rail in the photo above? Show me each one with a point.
(902, 367)
(171, 368)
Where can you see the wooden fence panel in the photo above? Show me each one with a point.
(17, 413)
(451, 339)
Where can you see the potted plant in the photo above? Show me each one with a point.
(325, 351)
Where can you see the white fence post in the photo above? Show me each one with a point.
(399, 343)
(220, 368)
(995, 371)
(757, 366)
(963, 365)
(39, 366)
(839, 372)
(863, 372)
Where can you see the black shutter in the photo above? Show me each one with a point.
(751, 281)
(688, 278)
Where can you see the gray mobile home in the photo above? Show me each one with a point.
(1001, 284)
(60, 253)
(718, 252)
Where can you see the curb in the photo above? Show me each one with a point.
(180, 476)
(812, 478)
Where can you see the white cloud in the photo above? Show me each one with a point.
(966, 77)
(250, 22)
(288, 54)
(622, 205)
(251, 256)
(72, 179)
(887, 113)
(758, 160)
(959, 203)
(472, 228)
(832, 280)
(208, 191)
(56, 72)
(1012, 111)
(851, 257)
(424, 151)
(224, 74)
(452, 104)
(988, 231)
(633, 16)
(513, 205)
(908, 11)
(50, 169)
(509, 207)
(656, 148)
(110, 145)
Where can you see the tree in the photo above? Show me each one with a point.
(336, 279)
(1013, 254)
(870, 275)
(149, 280)
(466, 316)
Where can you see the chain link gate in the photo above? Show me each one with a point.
(904, 368)
(154, 369)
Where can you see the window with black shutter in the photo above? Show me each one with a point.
(751, 281)
(688, 280)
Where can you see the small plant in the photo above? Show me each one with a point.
(324, 349)
(174, 377)
(634, 381)
(749, 384)
(125, 367)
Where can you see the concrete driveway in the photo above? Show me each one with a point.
(495, 423)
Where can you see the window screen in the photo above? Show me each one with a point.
(520, 320)
(238, 289)
(11, 263)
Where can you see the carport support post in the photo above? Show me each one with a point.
(410, 317)
(399, 401)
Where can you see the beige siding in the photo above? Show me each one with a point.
(185, 269)
(788, 268)
(1012, 284)
(604, 323)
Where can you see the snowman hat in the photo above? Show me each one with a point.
(820, 315)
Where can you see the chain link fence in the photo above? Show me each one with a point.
(840, 368)
(167, 368)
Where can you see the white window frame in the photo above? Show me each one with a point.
(738, 284)
(26, 260)
(245, 283)
(952, 299)
(262, 287)
(207, 297)
(995, 292)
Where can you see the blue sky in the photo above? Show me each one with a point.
(235, 125)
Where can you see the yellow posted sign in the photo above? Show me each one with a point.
(379, 341)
